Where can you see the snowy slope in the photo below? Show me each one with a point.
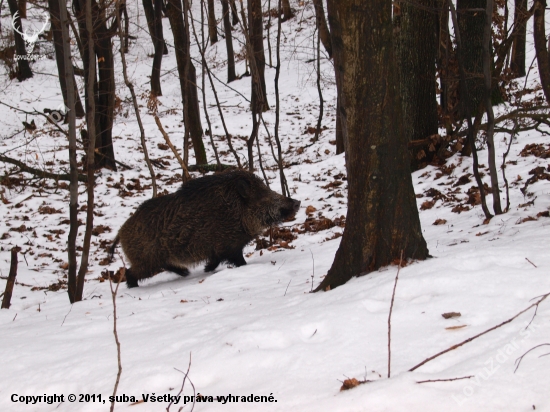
(256, 330)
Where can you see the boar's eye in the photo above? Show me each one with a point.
(243, 188)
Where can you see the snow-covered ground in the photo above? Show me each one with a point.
(256, 330)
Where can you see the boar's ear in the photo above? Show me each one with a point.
(243, 188)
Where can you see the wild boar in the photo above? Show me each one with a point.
(210, 219)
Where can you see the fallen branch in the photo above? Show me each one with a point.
(40, 173)
(446, 380)
(536, 304)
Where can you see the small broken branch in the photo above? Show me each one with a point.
(446, 380)
(186, 176)
(518, 360)
(6, 301)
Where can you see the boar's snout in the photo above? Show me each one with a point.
(290, 208)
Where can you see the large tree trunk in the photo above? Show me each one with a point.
(382, 219)
(255, 30)
(321, 23)
(212, 29)
(416, 47)
(231, 75)
(540, 47)
(518, 49)
(24, 71)
(190, 99)
(60, 58)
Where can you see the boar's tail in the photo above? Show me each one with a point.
(113, 247)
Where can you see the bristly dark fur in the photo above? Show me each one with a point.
(211, 219)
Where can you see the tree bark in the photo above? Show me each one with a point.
(104, 87)
(321, 23)
(517, 63)
(541, 50)
(24, 71)
(255, 33)
(149, 11)
(287, 11)
(158, 42)
(382, 219)
(231, 75)
(192, 117)
(105, 106)
(234, 12)
(416, 49)
(53, 6)
(212, 25)
(471, 28)
(23, 8)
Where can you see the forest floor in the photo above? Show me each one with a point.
(257, 330)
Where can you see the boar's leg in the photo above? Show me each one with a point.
(131, 280)
(236, 258)
(177, 270)
(212, 264)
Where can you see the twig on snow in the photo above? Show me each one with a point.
(536, 304)
(518, 360)
(391, 310)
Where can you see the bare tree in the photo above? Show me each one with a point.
(104, 81)
(543, 57)
(321, 23)
(53, 6)
(382, 218)
(186, 70)
(287, 11)
(24, 71)
(212, 25)
(73, 186)
(487, 74)
(517, 63)
(471, 21)
(231, 75)
(158, 43)
(149, 10)
(256, 37)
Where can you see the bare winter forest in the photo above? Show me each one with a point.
(391, 254)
